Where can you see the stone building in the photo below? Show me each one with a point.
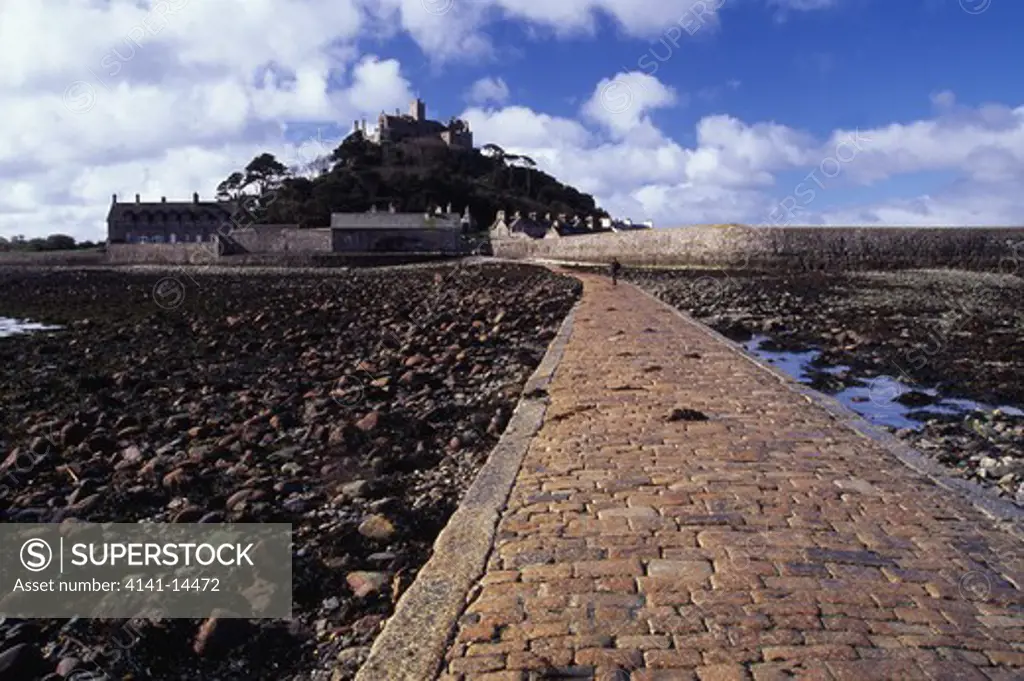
(518, 226)
(530, 226)
(393, 232)
(166, 222)
(415, 125)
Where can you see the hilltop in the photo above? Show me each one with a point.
(414, 175)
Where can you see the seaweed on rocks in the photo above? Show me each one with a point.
(356, 405)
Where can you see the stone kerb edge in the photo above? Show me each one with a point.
(416, 637)
(1007, 515)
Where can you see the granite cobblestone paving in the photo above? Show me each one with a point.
(766, 541)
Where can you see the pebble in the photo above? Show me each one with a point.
(22, 661)
(376, 527)
(364, 583)
(197, 424)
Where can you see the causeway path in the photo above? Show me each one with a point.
(770, 541)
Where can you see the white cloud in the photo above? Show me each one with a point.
(985, 144)
(488, 90)
(731, 173)
(167, 97)
(944, 100)
(976, 204)
(621, 103)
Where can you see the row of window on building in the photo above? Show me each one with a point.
(161, 239)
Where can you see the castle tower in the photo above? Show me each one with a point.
(418, 110)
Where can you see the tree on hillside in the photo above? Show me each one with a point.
(265, 172)
(231, 188)
(493, 151)
(355, 151)
(524, 161)
(412, 175)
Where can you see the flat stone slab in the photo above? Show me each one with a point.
(772, 540)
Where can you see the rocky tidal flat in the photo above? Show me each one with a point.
(357, 406)
(930, 353)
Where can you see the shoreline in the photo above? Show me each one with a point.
(358, 406)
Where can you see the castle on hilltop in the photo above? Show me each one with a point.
(415, 125)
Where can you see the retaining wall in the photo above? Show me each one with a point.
(987, 248)
(148, 254)
(53, 258)
(284, 239)
(330, 259)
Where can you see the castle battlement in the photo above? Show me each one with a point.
(415, 125)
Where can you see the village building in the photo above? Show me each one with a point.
(391, 232)
(530, 226)
(166, 221)
(416, 126)
(518, 226)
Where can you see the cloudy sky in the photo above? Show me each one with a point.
(680, 111)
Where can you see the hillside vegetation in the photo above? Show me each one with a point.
(413, 176)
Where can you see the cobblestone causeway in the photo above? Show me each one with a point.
(769, 541)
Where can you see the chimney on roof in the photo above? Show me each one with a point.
(195, 197)
(115, 198)
(163, 199)
(138, 198)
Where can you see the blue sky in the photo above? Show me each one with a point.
(864, 63)
(716, 116)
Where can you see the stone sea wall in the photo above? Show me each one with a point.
(329, 259)
(206, 254)
(800, 248)
(151, 254)
(53, 258)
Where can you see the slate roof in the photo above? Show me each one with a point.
(208, 211)
(387, 220)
